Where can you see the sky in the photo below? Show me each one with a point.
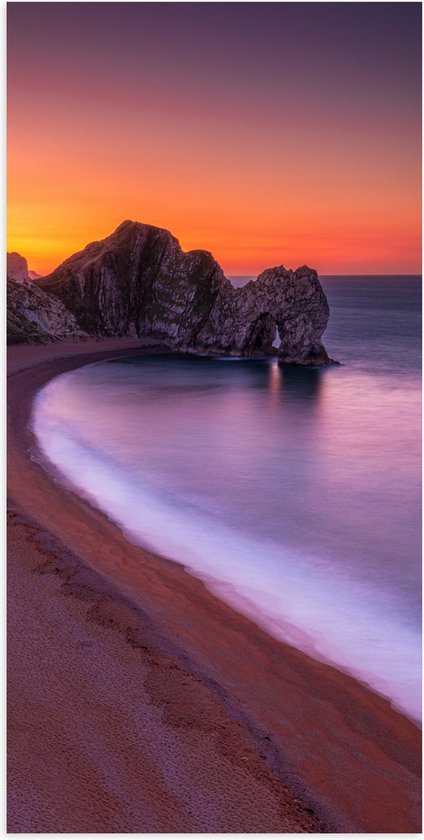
(267, 133)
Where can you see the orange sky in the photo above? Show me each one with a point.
(321, 171)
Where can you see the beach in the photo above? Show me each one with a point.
(139, 702)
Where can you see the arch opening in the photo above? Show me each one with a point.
(261, 337)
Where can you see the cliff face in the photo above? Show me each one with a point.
(33, 317)
(17, 266)
(138, 281)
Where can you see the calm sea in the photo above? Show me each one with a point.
(294, 494)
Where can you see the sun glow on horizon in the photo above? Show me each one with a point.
(233, 141)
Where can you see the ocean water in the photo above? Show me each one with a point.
(294, 494)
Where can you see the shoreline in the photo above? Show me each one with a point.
(325, 752)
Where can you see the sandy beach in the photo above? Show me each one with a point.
(139, 702)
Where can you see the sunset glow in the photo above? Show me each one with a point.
(235, 126)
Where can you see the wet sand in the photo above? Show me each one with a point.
(139, 702)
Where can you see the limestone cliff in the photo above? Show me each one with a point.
(17, 266)
(138, 281)
(34, 317)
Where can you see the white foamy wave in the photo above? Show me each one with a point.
(349, 626)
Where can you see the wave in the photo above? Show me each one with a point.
(343, 622)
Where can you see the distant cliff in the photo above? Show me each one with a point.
(17, 267)
(139, 281)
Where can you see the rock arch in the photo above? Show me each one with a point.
(261, 336)
(140, 275)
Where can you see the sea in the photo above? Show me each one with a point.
(294, 494)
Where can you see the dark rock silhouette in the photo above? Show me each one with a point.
(139, 281)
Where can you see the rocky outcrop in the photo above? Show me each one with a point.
(34, 317)
(244, 321)
(138, 281)
(17, 267)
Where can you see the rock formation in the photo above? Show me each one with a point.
(34, 317)
(138, 281)
(17, 267)
(244, 321)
